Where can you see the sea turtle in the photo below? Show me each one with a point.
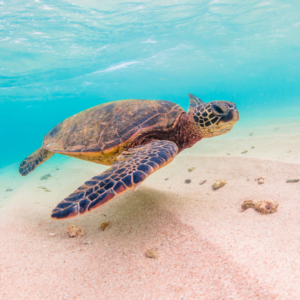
(134, 137)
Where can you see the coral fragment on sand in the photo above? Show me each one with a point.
(44, 188)
(104, 225)
(292, 180)
(218, 184)
(248, 204)
(151, 253)
(191, 169)
(266, 206)
(202, 182)
(74, 231)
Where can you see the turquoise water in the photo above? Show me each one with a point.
(60, 57)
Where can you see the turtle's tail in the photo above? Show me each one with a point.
(34, 160)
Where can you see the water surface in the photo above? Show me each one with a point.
(60, 57)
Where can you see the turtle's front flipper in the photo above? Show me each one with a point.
(129, 170)
(33, 160)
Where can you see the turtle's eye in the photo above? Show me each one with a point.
(218, 109)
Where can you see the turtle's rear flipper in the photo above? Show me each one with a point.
(129, 170)
(34, 160)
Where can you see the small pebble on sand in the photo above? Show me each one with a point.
(251, 134)
(292, 180)
(266, 206)
(202, 182)
(167, 179)
(73, 231)
(260, 180)
(228, 153)
(151, 253)
(191, 169)
(45, 177)
(244, 152)
(9, 190)
(104, 225)
(218, 184)
(188, 181)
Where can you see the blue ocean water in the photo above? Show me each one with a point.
(58, 57)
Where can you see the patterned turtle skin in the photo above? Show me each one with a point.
(134, 137)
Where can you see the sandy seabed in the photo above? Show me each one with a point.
(208, 248)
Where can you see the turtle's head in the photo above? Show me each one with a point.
(212, 118)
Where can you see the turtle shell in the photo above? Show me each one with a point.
(110, 125)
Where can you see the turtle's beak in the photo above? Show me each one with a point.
(230, 119)
(236, 116)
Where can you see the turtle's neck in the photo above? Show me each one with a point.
(185, 134)
(181, 133)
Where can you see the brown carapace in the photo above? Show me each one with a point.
(134, 137)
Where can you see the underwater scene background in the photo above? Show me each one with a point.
(221, 221)
(60, 57)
